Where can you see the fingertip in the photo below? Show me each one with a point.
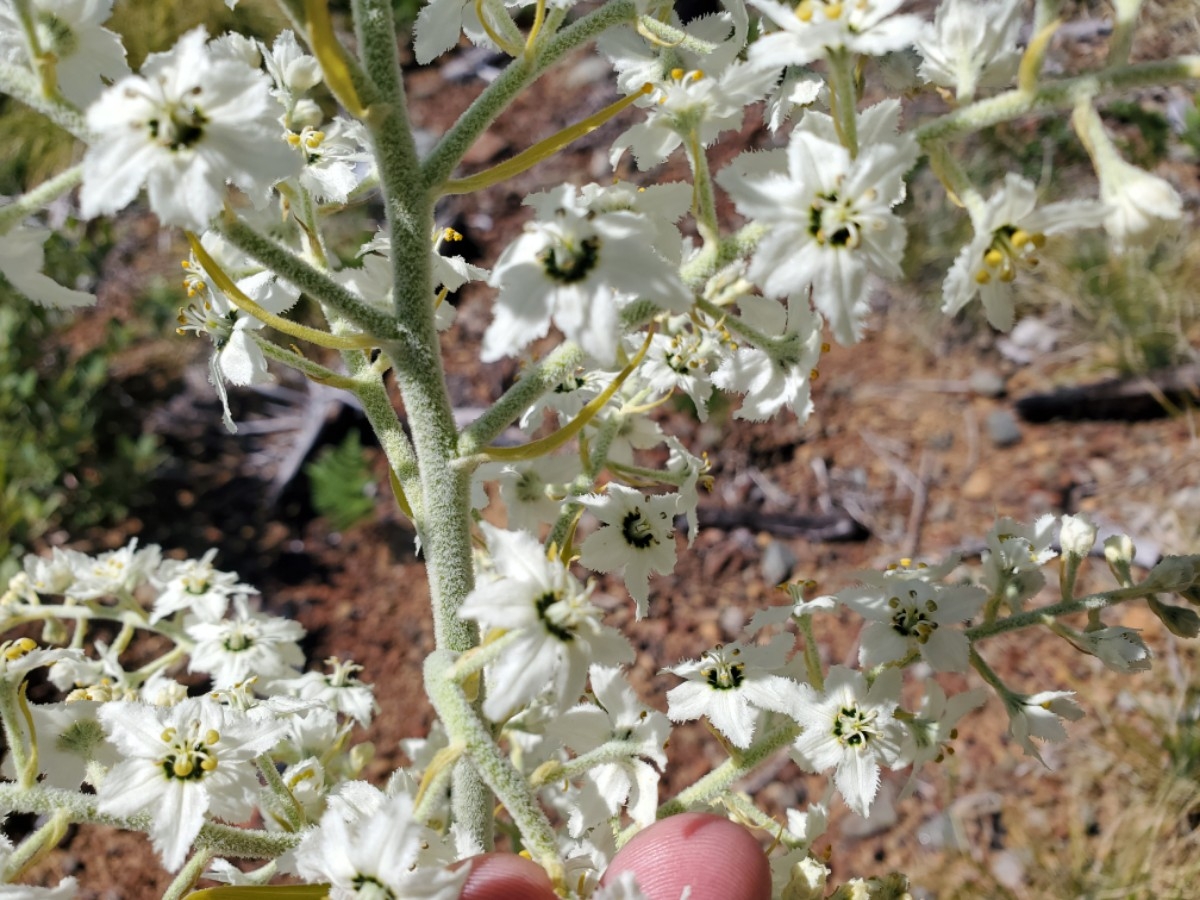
(506, 876)
(716, 858)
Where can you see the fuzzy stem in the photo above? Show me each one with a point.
(1055, 96)
(845, 98)
(515, 77)
(1065, 608)
(722, 778)
(23, 86)
(535, 383)
(464, 727)
(36, 198)
(317, 284)
(188, 875)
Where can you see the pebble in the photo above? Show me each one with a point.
(1002, 428)
(978, 486)
(777, 562)
(986, 383)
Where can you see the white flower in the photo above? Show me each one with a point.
(578, 268)
(85, 55)
(21, 260)
(1040, 716)
(334, 158)
(934, 726)
(181, 764)
(829, 215)
(115, 572)
(70, 740)
(1138, 202)
(194, 585)
(815, 26)
(850, 727)
(630, 781)
(637, 536)
(187, 125)
(1120, 649)
(236, 357)
(730, 684)
(374, 854)
(779, 374)
(559, 629)
(56, 574)
(1009, 233)
(293, 71)
(911, 614)
(533, 491)
(339, 690)
(1015, 555)
(682, 360)
(20, 657)
(1078, 535)
(248, 643)
(970, 44)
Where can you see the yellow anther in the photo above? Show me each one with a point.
(168, 735)
(1039, 239)
(905, 562)
(212, 736)
(804, 12)
(813, 374)
(185, 265)
(833, 11)
(182, 767)
(825, 347)
(293, 139)
(677, 74)
(313, 139)
(209, 763)
(983, 276)
(1008, 275)
(1021, 237)
(993, 257)
(697, 74)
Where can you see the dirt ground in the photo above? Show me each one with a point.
(903, 443)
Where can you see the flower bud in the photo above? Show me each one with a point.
(1180, 621)
(1078, 535)
(1120, 649)
(1119, 551)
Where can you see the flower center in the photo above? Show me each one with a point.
(182, 126)
(724, 674)
(913, 619)
(636, 530)
(552, 618)
(853, 727)
(570, 261)
(191, 755)
(1012, 248)
(371, 888)
(239, 639)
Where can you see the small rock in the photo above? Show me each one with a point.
(777, 563)
(986, 383)
(1002, 428)
(732, 620)
(978, 486)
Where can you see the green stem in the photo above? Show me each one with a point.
(36, 198)
(305, 366)
(845, 98)
(1055, 96)
(720, 779)
(293, 812)
(223, 840)
(1045, 613)
(812, 656)
(188, 875)
(464, 727)
(24, 86)
(16, 738)
(536, 382)
(34, 847)
(310, 280)
(450, 150)
(704, 201)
